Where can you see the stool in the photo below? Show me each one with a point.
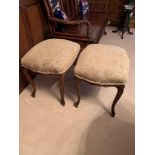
(103, 65)
(52, 56)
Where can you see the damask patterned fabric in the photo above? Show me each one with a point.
(52, 56)
(103, 64)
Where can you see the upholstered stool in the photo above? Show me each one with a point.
(103, 65)
(52, 56)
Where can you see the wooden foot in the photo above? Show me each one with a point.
(130, 31)
(122, 34)
(114, 31)
(61, 85)
(78, 92)
(120, 90)
(105, 33)
(29, 79)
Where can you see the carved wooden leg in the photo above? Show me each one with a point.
(114, 31)
(122, 34)
(78, 92)
(29, 79)
(120, 90)
(61, 85)
(105, 33)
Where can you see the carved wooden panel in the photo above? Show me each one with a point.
(36, 25)
(24, 41)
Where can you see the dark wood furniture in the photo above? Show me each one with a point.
(33, 24)
(124, 24)
(120, 90)
(115, 11)
(82, 29)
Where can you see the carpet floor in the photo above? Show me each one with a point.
(47, 128)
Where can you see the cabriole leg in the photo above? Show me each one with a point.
(78, 92)
(29, 79)
(122, 35)
(61, 85)
(120, 90)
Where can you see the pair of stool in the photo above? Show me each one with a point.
(103, 65)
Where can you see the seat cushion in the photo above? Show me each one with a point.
(103, 64)
(52, 56)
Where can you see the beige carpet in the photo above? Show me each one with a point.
(47, 128)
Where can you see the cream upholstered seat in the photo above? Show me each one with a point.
(52, 56)
(103, 64)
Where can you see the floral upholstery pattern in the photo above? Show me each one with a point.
(52, 56)
(103, 64)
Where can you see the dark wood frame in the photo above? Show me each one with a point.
(61, 84)
(85, 39)
(120, 89)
